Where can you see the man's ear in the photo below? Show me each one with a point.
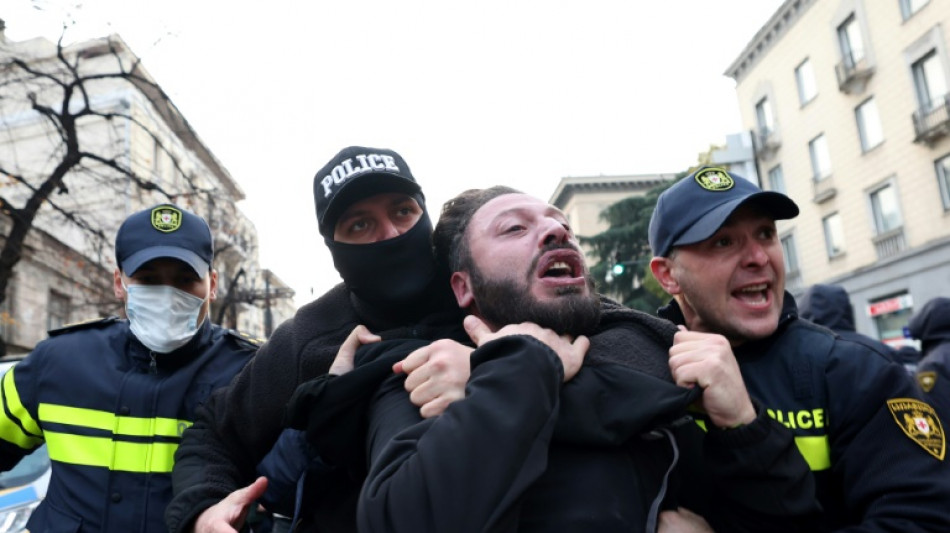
(462, 287)
(117, 287)
(213, 289)
(662, 268)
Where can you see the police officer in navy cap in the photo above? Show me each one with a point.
(372, 216)
(876, 448)
(111, 397)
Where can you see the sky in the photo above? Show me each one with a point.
(471, 94)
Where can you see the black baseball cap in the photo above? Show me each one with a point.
(358, 172)
(696, 206)
(165, 230)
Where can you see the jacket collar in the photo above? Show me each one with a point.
(177, 358)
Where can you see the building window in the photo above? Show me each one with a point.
(869, 124)
(851, 42)
(158, 162)
(807, 87)
(790, 254)
(909, 7)
(930, 81)
(885, 209)
(57, 310)
(834, 234)
(820, 158)
(777, 179)
(763, 115)
(943, 180)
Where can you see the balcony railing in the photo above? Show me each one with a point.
(932, 122)
(824, 188)
(890, 243)
(768, 142)
(853, 75)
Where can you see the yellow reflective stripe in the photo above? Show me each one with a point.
(104, 420)
(10, 430)
(816, 451)
(103, 452)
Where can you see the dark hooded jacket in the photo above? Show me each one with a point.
(931, 325)
(523, 452)
(830, 306)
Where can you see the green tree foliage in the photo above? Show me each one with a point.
(626, 242)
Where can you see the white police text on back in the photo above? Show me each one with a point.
(346, 170)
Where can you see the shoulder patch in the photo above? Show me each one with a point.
(245, 339)
(920, 423)
(927, 379)
(84, 324)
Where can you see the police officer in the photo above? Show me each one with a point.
(372, 215)
(875, 447)
(112, 397)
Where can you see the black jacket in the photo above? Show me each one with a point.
(522, 452)
(932, 326)
(876, 448)
(240, 424)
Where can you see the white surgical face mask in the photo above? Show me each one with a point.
(161, 317)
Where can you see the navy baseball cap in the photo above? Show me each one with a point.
(355, 173)
(696, 206)
(165, 230)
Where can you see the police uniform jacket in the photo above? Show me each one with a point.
(523, 451)
(876, 448)
(111, 413)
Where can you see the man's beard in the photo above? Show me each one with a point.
(503, 302)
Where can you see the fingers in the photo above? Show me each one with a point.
(477, 330)
(706, 360)
(413, 361)
(251, 493)
(437, 375)
(682, 520)
(572, 355)
(228, 515)
(343, 362)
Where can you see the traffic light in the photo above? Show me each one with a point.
(618, 269)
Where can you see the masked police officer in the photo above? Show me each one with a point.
(112, 397)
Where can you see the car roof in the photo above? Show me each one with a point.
(8, 361)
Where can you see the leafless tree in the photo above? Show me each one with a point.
(76, 181)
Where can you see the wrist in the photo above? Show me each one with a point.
(747, 415)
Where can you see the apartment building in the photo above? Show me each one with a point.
(145, 134)
(850, 113)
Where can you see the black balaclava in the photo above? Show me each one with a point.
(390, 273)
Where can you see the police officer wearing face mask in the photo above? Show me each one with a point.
(111, 397)
(372, 216)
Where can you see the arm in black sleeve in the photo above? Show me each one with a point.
(234, 430)
(466, 469)
(757, 479)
